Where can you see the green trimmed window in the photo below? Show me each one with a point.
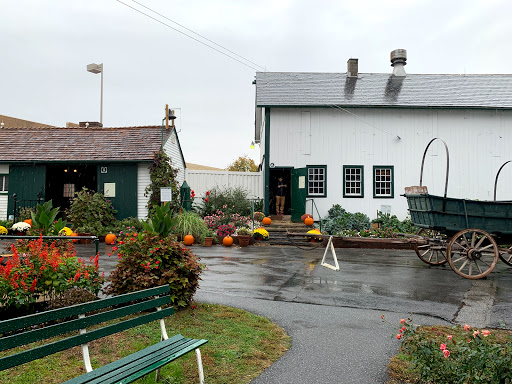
(383, 181)
(317, 180)
(353, 181)
(4, 183)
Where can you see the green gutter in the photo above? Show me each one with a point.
(267, 161)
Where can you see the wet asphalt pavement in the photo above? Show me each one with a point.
(333, 317)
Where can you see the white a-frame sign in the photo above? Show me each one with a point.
(336, 266)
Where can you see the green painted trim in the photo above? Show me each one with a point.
(382, 106)
(325, 180)
(362, 182)
(267, 162)
(392, 167)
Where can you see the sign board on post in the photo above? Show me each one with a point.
(109, 190)
(385, 209)
(165, 194)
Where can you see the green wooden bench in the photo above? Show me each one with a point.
(24, 330)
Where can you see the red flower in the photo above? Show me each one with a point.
(398, 336)
(442, 347)
(207, 193)
(446, 353)
(206, 199)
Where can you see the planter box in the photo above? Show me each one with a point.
(367, 242)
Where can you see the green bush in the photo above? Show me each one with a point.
(229, 201)
(391, 221)
(190, 222)
(162, 174)
(146, 261)
(338, 219)
(43, 220)
(91, 212)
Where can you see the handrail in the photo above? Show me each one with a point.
(318, 213)
(496, 180)
(447, 163)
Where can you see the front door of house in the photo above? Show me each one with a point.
(298, 193)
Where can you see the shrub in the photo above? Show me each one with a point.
(225, 230)
(189, 223)
(43, 220)
(391, 221)
(25, 213)
(40, 269)
(456, 354)
(161, 223)
(258, 216)
(91, 212)
(339, 219)
(229, 200)
(162, 174)
(146, 261)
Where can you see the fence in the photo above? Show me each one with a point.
(202, 181)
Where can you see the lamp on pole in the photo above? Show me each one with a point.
(98, 68)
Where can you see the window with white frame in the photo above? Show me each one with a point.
(383, 181)
(69, 190)
(353, 181)
(4, 183)
(317, 180)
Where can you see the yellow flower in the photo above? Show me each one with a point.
(65, 231)
(261, 232)
(3, 230)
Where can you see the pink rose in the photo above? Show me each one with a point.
(442, 347)
(475, 333)
(467, 327)
(446, 353)
(485, 332)
(403, 321)
(449, 337)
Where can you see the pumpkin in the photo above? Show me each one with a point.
(74, 234)
(110, 238)
(188, 240)
(227, 241)
(28, 221)
(266, 221)
(309, 221)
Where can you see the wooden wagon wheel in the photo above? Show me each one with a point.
(472, 253)
(433, 253)
(507, 256)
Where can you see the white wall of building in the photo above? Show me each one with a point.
(143, 181)
(478, 142)
(4, 169)
(172, 149)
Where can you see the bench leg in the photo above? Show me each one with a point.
(200, 366)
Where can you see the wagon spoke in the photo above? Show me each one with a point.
(485, 262)
(470, 268)
(480, 242)
(479, 269)
(487, 247)
(463, 265)
(460, 245)
(473, 237)
(431, 252)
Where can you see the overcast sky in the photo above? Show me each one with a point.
(45, 47)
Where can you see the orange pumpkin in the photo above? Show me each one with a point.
(266, 221)
(74, 234)
(28, 221)
(309, 221)
(110, 238)
(227, 241)
(188, 240)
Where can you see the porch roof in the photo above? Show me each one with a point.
(127, 144)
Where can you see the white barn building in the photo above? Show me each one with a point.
(357, 139)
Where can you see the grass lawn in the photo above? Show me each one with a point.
(240, 347)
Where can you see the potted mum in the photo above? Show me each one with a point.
(20, 228)
(260, 234)
(244, 236)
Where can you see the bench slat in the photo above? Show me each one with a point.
(76, 324)
(57, 314)
(140, 363)
(38, 352)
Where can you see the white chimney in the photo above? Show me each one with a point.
(398, 61)
(352, 67)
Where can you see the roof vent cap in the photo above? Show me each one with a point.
(398, 61)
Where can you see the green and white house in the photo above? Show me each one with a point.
(54, 163)
(357, 139)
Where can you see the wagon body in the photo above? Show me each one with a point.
(450, 215)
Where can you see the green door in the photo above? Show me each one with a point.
(298, 201)
(118, 182)
(28, 183)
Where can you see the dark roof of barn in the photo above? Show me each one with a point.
(131, 144)
(383, 90)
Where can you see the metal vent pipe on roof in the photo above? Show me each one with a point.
(398, 61)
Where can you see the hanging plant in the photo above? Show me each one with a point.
(161, 174)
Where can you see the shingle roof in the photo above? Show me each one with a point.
(199, 167)
(80, 144)
(383, 90)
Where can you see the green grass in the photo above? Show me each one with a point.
(240, 347)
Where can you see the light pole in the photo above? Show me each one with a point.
(98, 68)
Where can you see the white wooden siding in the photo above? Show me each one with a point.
(173, 151)
(202, 181)
(4, 169)
(143, 181)
(478, 142)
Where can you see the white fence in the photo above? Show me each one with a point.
(202, 181)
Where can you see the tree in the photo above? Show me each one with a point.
(243, 164)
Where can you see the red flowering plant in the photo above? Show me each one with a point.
(148, 260)
(226, 230)
(44, 270)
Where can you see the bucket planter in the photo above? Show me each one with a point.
(244, 240)
(208, 241)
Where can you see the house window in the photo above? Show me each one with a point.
(69, 190)
(353, 181)
(317, 180)
(383, 181)
(4, 183)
